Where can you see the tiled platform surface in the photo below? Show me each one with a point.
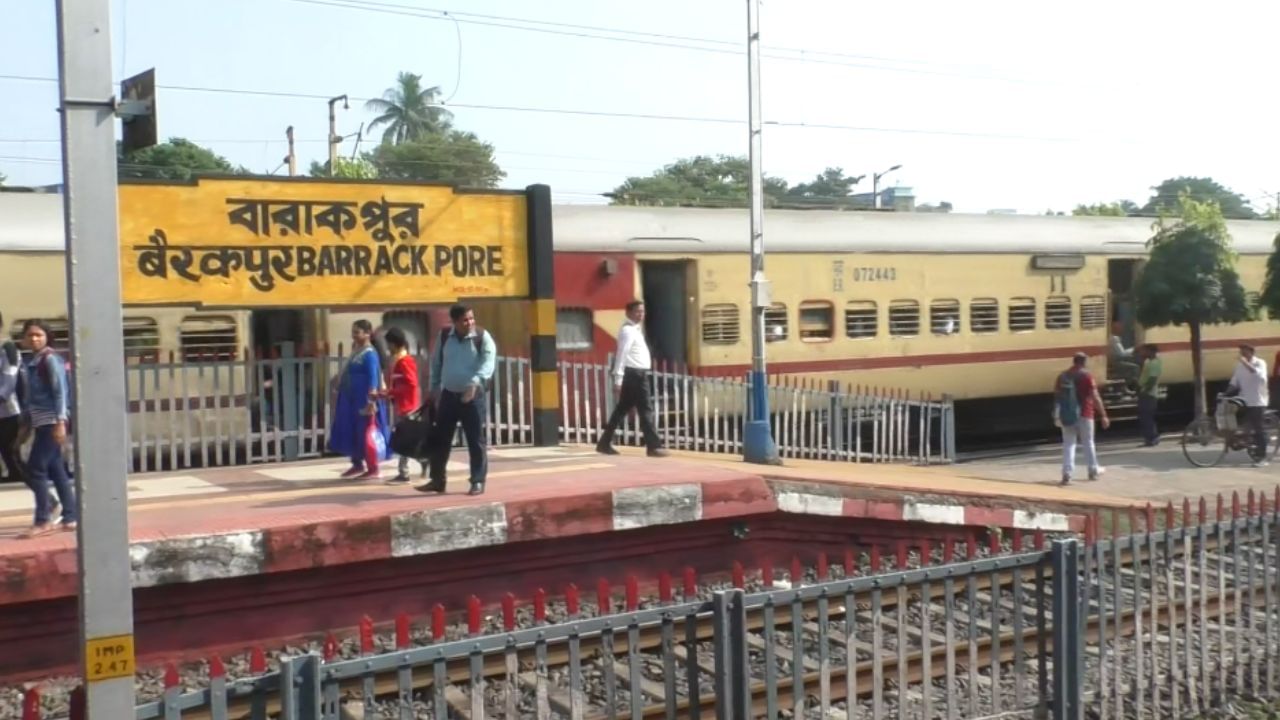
(235, 522)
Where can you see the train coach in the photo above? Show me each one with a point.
(982, 308)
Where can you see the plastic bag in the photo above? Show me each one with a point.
(375, 444)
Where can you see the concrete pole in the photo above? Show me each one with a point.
(93, 299)
(757, 438)
(293, 157)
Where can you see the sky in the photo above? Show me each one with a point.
(1008, 105)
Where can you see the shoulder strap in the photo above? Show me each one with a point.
(478, 341)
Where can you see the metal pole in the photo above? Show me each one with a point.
(293, 158)
(333, 138)
(97, 345)
(757, 436)
(875, 191)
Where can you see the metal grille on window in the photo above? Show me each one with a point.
(775, 323)
(1253, 304)
(904, 318)
(208, 337)
(984, 315)
(574, 329)
(141, 340)
(720, 324)
(944, 317)
(1057, 313)
(1093, 312)
(817, 321)
(1022, 314)
(861, 319)
(60, 329)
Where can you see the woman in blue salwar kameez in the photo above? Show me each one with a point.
(358, 381)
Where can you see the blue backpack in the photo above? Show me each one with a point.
(1068, 399)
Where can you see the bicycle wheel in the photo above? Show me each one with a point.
(1202, 444)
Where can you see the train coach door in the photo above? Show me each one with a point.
(1122, 361)
(665, 289)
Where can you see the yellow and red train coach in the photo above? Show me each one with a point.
(984, 308)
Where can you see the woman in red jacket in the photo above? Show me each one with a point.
(403, 390)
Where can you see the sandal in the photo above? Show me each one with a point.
(37, 530)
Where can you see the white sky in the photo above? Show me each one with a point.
(1096, 100)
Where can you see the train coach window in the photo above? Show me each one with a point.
(1057, 313)
(861, 320)
(984, 315)
(574, 328)
(904, 318)
(1253, 305)
(208, 337)
(1022, 314)
(944, 317)
(775, 323)
(720, 324)
(1093, 312)
(141, 340)
(817, 321)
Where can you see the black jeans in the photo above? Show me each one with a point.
(9, 429)
(1147, 418)
(1253, 420)
(634, 396)
(472, 416)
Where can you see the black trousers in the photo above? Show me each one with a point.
(9, 429)
(1147, 418)
(634, 396)
(1253, 419)
(450, 413)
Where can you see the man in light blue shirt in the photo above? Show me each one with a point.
(461, 367)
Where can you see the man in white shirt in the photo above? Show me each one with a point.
(631, 384)
(1250, 380)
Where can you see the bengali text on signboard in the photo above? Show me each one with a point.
(254, 242)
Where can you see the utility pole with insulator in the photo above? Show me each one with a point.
(292, 157)
(757, 437)
(334, 138)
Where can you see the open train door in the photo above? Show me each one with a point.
(1124, 336)
(665, 288)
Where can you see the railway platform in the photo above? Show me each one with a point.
(223, 557)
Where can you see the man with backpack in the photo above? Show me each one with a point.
(1076, 404)
(461, 367)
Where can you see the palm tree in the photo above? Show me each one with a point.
(408, 111)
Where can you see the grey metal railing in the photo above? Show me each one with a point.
(254, 409)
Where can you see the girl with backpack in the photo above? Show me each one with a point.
(47, 413)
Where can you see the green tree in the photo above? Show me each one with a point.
(453, 157)
(699, 181)
(409, 111)
(1190, 278)
(358, 169)
(1165, 197)
(177, 159)
(831, 184)
(1270, 298)
(1119, 208)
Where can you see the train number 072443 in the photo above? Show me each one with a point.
(874, 274)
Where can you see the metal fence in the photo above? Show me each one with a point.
(256, 409)
(1177, 619)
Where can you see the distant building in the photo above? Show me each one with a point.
(897, 199)
(32, 188)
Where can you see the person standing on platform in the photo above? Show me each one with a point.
(356, 407)
(1148, 394)
(402, 390)
(10, 410)
(461, 367)
(1250, 379)
(631, 384)
(1076, 404)
(47, 414)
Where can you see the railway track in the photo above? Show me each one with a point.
(1174, 620)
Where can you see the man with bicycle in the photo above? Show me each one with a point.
(1249, 380)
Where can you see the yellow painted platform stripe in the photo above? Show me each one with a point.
(546, 390)
(544, 317)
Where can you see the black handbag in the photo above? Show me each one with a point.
(409, 436)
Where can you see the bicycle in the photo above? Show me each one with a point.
(1209, 438)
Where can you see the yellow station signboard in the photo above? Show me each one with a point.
(251, 242)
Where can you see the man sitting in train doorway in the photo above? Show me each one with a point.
(1076, 404)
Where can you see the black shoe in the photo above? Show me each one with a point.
(400, 479)
(606, 449)
(477, 488)
(657, 452)
(435, 486)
